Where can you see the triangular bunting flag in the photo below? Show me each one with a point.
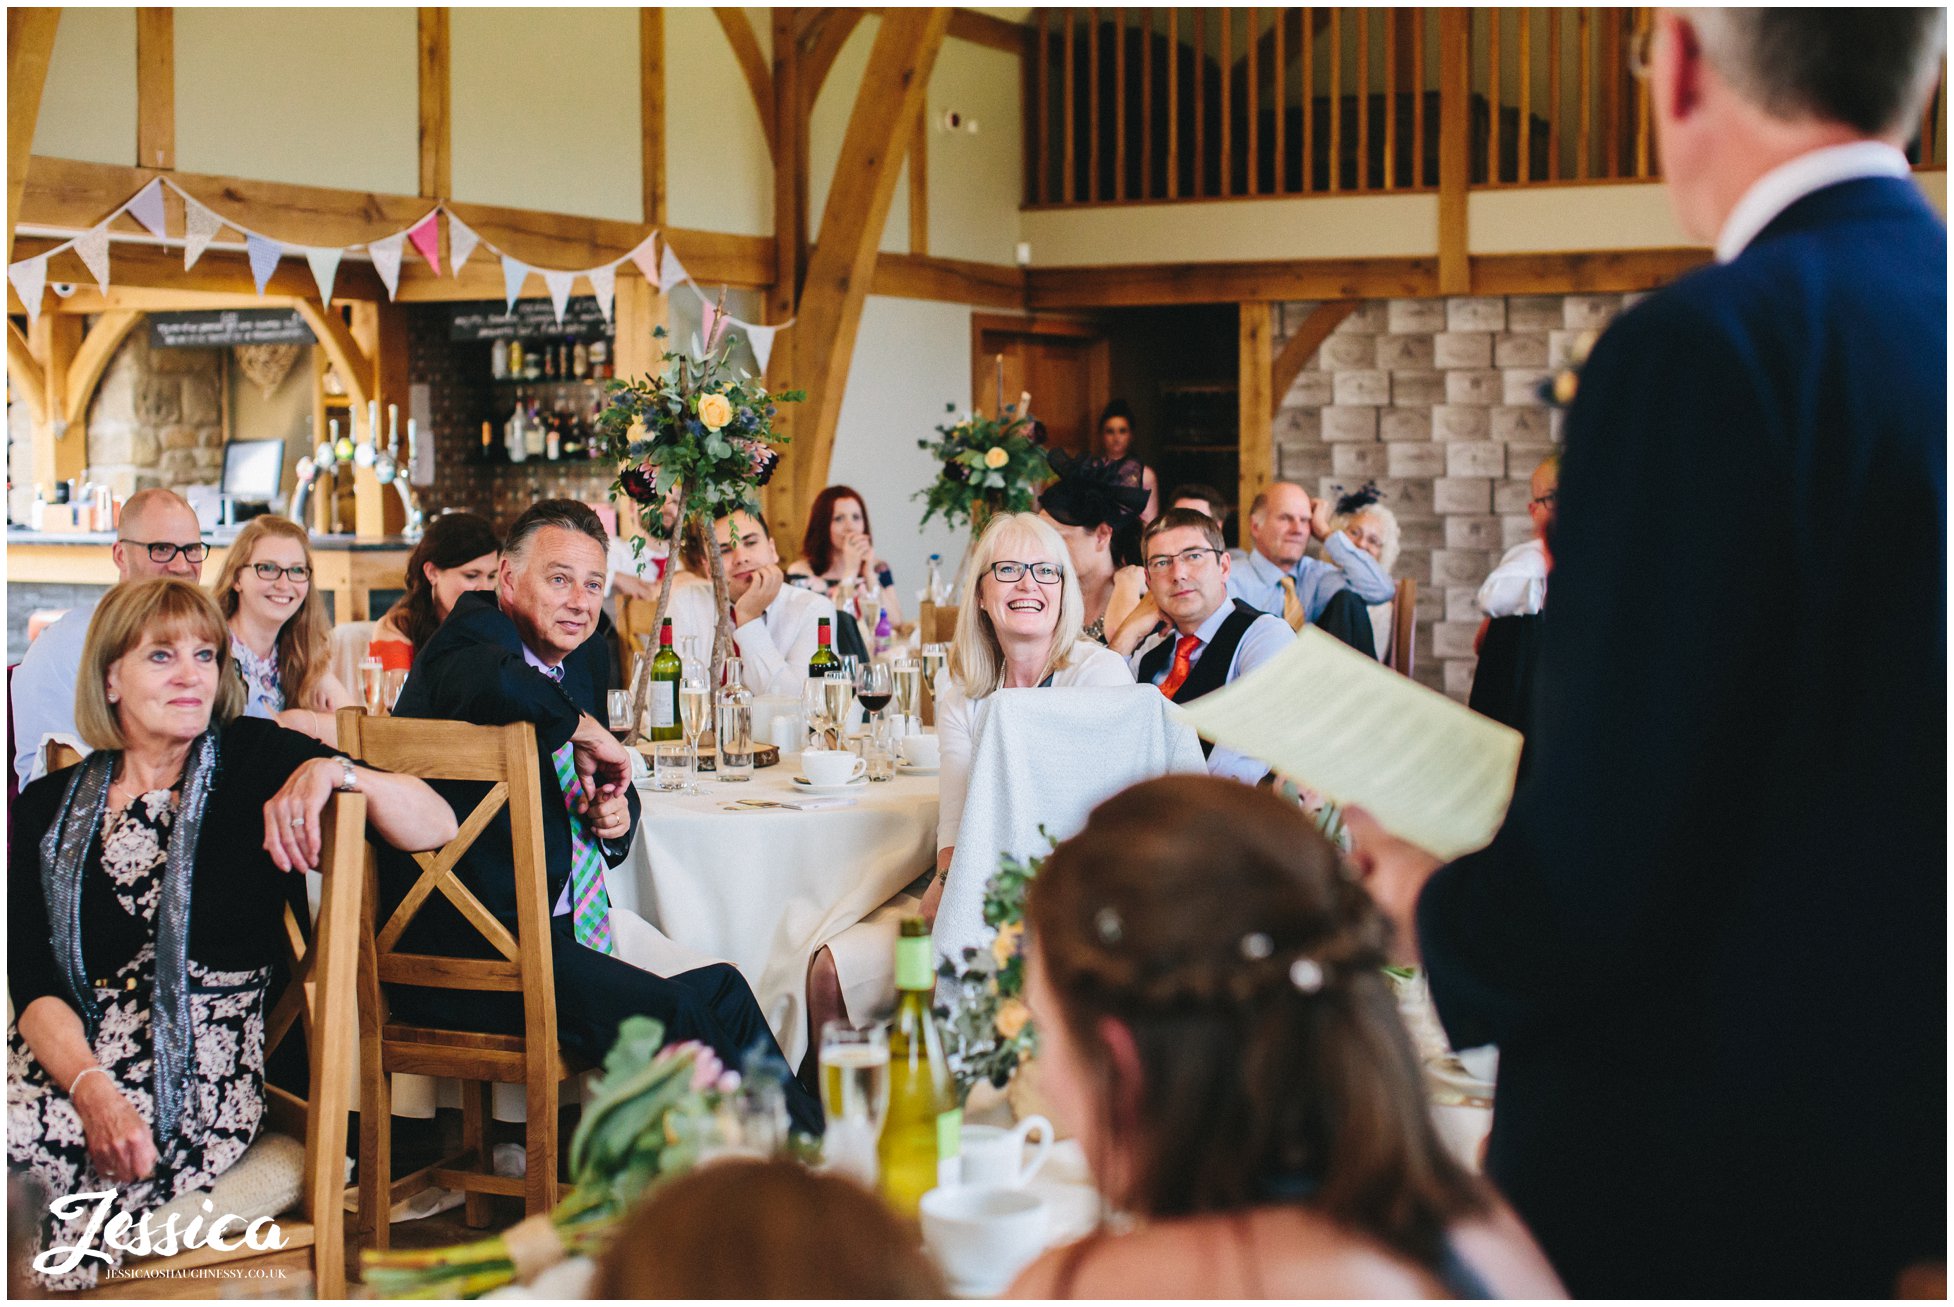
(646, 258)
(147, 207)
(513, 276)
(604, 282)
(200, 226)
(325, 267)
(761, 338)
(92, 246)
(426, 235)
(670, 272)
(559, 284)
(29, 277)
(263, 253)
(386, 260)
(461, 243)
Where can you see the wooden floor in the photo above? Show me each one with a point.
(289, 1275)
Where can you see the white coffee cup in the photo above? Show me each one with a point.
(832, 766)
(993, 1155)
(983, 1235)
(920, 750)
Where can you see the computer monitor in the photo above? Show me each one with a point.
(254, 470)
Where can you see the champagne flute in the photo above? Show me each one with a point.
(373, 685)
(695, 712)
(838, 693)
(909, 688)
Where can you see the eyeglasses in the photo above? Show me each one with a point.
(1547, 500)
(162, 551)
(1194, 559)
(299, 572)
(1010, 573)
(1641, 48)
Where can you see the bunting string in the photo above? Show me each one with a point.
(654, 259)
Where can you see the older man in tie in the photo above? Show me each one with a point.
(524, 653)
(1278, 578)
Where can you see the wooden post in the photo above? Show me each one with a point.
(1255, 370)
(919, 186)
(155, 88)
(30, 42)
(793, 92)
(60, 448)
(1173, 103)
(436, 133)
(651, 109)
(1526, 96)
(1454, 70)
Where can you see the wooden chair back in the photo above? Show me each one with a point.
(520, 963)
(637, 628)
(59, 755)
(938, 623)
(318, 1003)
(1404, 628)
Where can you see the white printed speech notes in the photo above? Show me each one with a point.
(1430, 770)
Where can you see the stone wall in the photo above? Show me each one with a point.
(156, 419)
(1438, 402)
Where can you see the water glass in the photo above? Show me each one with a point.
(373, 685)
(814, 714)
(671, 765)
(881, 763)
(854, 1094)
(396, 681)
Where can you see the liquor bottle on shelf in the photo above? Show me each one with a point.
(553, 442)
(549, 363)
(499, 360)
(600, 359)
(562, 361)
(824, 662)
(533, 434)
(515, 432)
(488, 446)
(580, 361)
(516, 357)
(922, 1130)
(667, 672)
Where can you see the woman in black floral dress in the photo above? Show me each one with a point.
(144, 895)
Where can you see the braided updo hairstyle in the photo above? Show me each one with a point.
(1216, 924)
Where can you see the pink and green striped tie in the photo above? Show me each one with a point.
(590, 903)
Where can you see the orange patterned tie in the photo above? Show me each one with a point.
(1293, 611)
(1178, 673)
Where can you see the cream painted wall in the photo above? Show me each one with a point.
(1622, 216)
(912, 357)
(1934, 186)
(1330, 227)
(975, 180)
(718, 172)
(323, 97)
(545, 109)
(88, 109)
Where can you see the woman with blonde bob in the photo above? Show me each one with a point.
(278, 628)
(144, 890)
(1238, 1074)
(1019, 626)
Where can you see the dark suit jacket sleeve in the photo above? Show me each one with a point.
(1647, 668)
(474, 676)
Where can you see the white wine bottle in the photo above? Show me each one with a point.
(921, 1133)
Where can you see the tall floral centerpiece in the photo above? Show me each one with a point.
(989, 465)
(986, 1025)
(707, 428)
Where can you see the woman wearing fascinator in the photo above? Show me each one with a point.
(1096, 506)
(1373, 528)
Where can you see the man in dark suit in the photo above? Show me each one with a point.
(1709, 939)
(525, 654)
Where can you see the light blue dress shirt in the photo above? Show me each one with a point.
(1265, 637)
(1258, 582)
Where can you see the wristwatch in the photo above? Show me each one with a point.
(348, 778)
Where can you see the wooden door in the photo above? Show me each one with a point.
(1062, 362)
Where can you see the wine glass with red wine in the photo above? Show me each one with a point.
(875, 686)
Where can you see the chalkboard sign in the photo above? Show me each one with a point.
(205, 328)
(532, 319)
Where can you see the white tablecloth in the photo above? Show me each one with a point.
(765, 889)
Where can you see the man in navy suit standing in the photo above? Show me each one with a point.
(1709, 939)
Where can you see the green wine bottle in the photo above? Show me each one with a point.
(824, 662)
(666, 672)
(921, 1133)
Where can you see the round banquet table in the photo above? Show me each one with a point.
(765, 888)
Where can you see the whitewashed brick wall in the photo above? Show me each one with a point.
(1438, 402)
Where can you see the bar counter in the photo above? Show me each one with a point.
(350, 569)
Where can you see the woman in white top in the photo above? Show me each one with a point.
(1018, 626)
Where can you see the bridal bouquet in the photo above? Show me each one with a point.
(987, 1028)
(988, 466)
(653, 1112)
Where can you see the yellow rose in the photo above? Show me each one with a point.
(715, 411)
(1005, 946)
(995, 457)
(1011, 1018)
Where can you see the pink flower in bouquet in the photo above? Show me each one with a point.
(706, 1069)
(728, 1083)
(760, 457)
(639, 483)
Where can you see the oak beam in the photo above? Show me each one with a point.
(1296, 351)
(950, 281)
(30, 43)
(1454, 108)
(436, 117)
(832, 32)
(336, 338)
(1257, 412)
(919, 186)
(841, 268)
(156, 87)
(92, 359)
(753, 65)
(59, 454)
(24, 373)
(651, 110)
(220, 270)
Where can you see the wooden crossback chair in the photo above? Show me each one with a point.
(506, 757)
(935, 624)
(1404, 616)
(318, 1000)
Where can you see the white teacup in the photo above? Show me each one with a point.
(832, 766)
(983, 1235)
(920, 750)
(993, 1155)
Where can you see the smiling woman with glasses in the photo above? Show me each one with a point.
(278, 628)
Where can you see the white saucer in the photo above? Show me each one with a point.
(803, 783)
(911, 769)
